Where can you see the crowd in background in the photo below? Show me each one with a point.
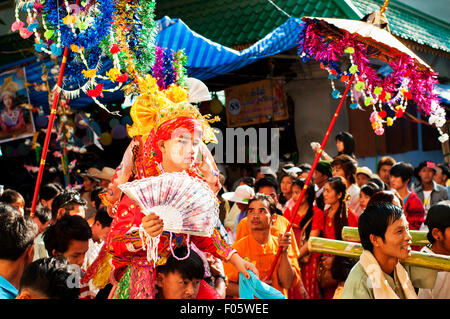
(38, 254)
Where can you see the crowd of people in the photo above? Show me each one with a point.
(48, 253)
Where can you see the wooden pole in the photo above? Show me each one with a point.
(313, 168)
(418, 237)
(49, 128)
(354, 250)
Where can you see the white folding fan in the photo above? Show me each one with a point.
(184, 203)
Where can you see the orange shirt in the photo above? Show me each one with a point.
(279, 227)
(263, 258)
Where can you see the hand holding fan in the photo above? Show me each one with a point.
(184, 203)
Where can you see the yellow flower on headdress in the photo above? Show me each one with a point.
(154, 107)
(90, 73)
(176, 94)
(76, 48)
(69, 19)
(113, 73)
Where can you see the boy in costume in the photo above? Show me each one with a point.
(167, 136)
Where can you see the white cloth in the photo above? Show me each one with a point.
(39, 248)
(353, 202)
(380, 286)
(441, 289)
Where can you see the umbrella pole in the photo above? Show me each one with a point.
(49, 131)
(313, 167)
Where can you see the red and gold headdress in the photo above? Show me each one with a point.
(154, 106)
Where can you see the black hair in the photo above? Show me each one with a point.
(250, 181)
(370, 189)
(265, 198)
(94, 195)
(348, 164)
(375, 220)
(11, 196)
(49, 276)
(340, 218)
(445, 169)
(385, 197)
(8, 208)
(266, 181)
(381, 185)
(67, 200)
(58, 236)
(282, 199)
(310, 198)
(385, 160)
(103, 217)
(50, 191)
(190, 268)
(17, 233)
(349, 143)
(341, 266)
(403, 170)
(438, 216)
(43, 213)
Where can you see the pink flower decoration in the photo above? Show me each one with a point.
(17, 25)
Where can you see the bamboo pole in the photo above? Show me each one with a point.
(313, 168)
(354, 250)
(49, 128)
(419, 238)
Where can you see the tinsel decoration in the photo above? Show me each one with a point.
(405, 82)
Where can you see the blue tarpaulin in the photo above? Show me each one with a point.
(206, 59)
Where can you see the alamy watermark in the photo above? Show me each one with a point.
(231, 152)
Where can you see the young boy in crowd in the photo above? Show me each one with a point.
(180, 279)
(16, 250)
(69, 237)
(68, 202)
(15, 199)
(47, 278)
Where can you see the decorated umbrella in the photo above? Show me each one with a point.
(366, 44)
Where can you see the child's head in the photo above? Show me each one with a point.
(180, 279)
(48, 278)
(68, 237)
(297, 186)
(15, 199)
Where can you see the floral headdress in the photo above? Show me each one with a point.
(154, 106)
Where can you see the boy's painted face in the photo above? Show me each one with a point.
(181, 151)
(173, 286)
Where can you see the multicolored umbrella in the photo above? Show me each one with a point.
(370, 47)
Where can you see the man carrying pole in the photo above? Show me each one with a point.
(385, 239)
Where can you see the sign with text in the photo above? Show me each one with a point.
(255, 103)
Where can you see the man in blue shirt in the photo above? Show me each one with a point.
(17, 234)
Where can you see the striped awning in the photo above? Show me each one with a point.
(206, 59)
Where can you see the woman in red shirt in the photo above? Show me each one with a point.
(301, 227)
(329, 223)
